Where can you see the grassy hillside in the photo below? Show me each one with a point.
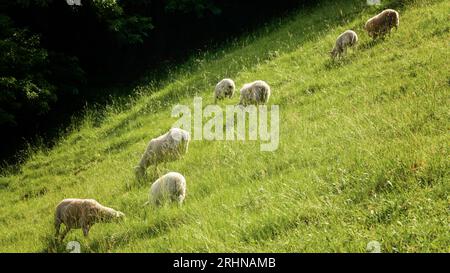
(363, 152)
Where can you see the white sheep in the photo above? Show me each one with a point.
(82, 213)
(381, 24)
(171, 187)
(347, 39)
(224, 89)
(168, 147)
(257, 92)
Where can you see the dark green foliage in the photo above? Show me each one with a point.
(23, 75)
(131, 30)
(199, 7)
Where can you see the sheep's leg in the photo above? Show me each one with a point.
(144, 161)
(57, 227)
(139, 173)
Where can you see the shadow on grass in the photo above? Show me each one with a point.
(337, 63)
(347, 59)
(121, 145)
(153, 230)
(370, 44)
(269, 229)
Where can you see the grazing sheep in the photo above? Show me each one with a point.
(82, 213)
(344, 41)
(381, 24)
(168, 147)
(224, 89)
(171, 186)
(257, 92)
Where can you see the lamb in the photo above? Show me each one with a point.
(257, 92)
(171, 186)
(347, 39)
(224, 89)
(165, 148)
(381, 24)
(82, 213)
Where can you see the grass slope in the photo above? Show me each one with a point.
(363, 153)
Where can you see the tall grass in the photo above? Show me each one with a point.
(363, 150)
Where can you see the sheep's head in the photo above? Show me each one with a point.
(110, 215)
(229, 91)
(368, 26)
(139, 173)
(119, 215)
(333, 53)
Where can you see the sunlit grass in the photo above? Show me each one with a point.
(363, 153)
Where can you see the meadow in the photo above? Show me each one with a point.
(363, 152)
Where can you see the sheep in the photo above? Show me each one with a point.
(257, 92)
(165, 148)
(224, 89)
(347, 39)
(82, 213)
(381, 24)
(171, 186)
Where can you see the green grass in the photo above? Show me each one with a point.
(363, 152)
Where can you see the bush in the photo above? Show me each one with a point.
(25, 90)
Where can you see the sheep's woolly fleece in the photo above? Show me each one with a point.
(224, 89)
(171, 187)
(82, 213)
(381, 24)
(257, 92)
(168, 147)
